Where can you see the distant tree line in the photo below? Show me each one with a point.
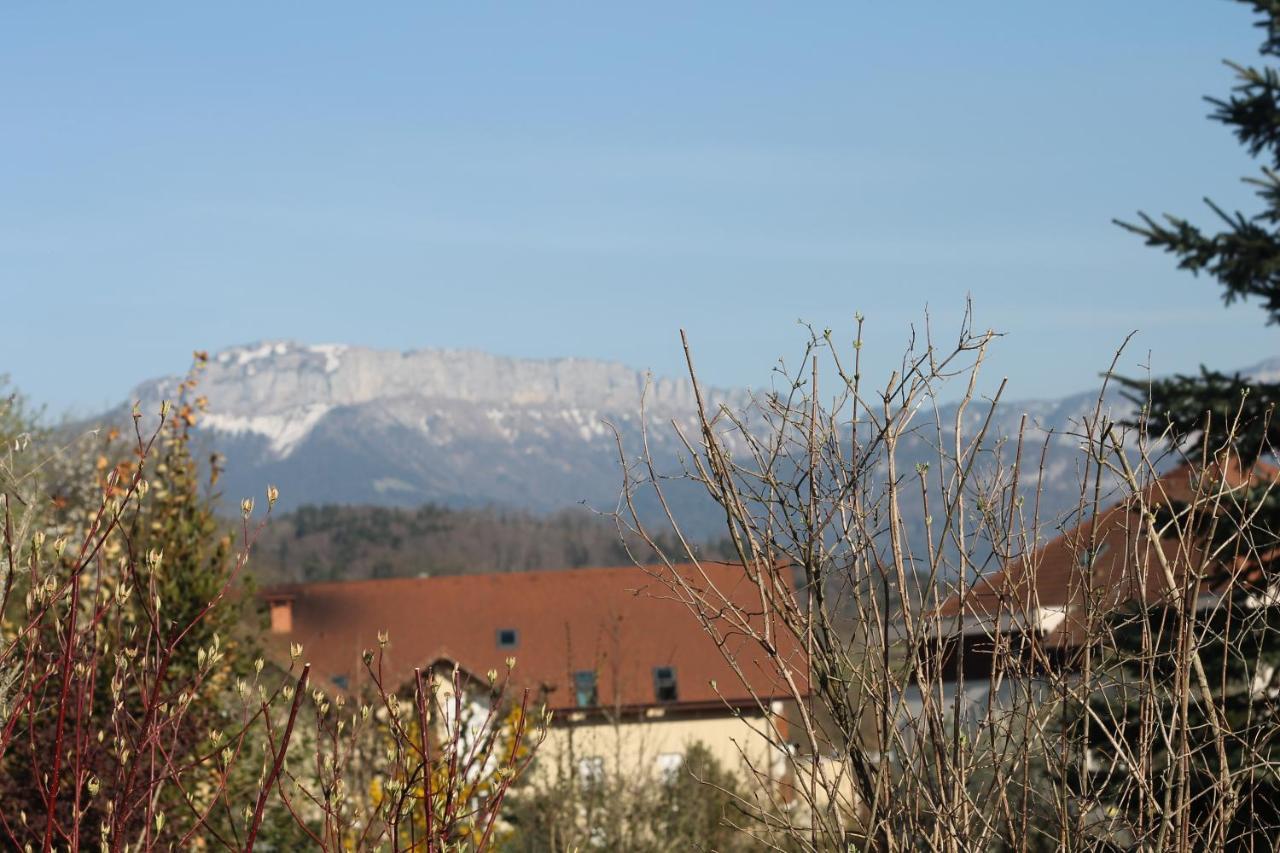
(333, 542)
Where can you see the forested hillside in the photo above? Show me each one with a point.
(317, 543)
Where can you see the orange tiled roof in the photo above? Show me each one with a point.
(1055, 578)
(619, 622)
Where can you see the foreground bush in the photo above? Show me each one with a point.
(969, 684)
(136, 711)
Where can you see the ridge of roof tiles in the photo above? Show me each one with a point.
(1052, 577)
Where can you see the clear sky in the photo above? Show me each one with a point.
(546, 179)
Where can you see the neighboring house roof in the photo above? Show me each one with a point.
(619, 622)
(1055, 588)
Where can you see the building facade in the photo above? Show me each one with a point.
(627, 671)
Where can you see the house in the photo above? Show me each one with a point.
(1042, 605)
(626, 669)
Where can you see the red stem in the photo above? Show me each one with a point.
(427, 805)
(54, 780)
(279, 762)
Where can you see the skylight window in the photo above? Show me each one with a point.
(584, 688)
(1089, 556)
(508, 638)
(664, 684)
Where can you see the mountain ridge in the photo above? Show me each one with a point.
(339, 424)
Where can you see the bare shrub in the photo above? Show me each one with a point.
(423, 768)
(970, 681)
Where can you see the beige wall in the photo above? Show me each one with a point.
(740, 744)
(639, 744)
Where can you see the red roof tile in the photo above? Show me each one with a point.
(620, 622)
(1056, 576)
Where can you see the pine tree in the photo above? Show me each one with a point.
(1243, 256)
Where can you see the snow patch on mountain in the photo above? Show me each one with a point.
(284, 431)
(1265, 371)
(332, 354)
(240, 356)
(498, 418)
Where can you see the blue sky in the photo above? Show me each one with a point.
(584, 179)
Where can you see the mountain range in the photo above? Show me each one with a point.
(333, 424)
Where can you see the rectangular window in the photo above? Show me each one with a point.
(591, 770)
(668, 765)
(508, 638)
(664, 684)
(584, 688)
(1089, 556)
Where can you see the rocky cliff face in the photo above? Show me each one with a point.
(338, 424)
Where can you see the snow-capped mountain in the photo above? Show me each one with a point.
(349, 425)
(339, 424)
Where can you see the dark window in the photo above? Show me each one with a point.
(508, 638)
(584, 687)
(664, 684)
(1089, 556)
(340, 681)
